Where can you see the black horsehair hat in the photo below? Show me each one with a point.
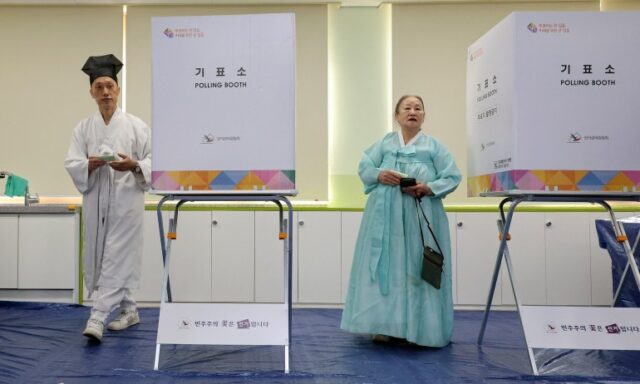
(98, 66)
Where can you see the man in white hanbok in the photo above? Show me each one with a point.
(109, 160)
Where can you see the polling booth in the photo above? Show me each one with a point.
(552, 116)
(223, 116)
(551, 104)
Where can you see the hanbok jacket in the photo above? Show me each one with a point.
(386, 294)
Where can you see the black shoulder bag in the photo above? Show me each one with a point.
(432, 260)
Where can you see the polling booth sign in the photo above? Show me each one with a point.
(223, 109)
(223, 130)
(552, 104)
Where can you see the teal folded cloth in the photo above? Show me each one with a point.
(15, 186)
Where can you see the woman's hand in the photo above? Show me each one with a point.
(389, 177)
(418, 190)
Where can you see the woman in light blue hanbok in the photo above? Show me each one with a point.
(387, 296)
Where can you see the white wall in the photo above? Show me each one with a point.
(45, 94)
(429, 59)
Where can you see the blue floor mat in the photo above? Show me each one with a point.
(42, 343)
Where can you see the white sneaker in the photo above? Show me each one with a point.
(94, 329)
(124, 320)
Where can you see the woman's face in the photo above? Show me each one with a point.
(410, 114)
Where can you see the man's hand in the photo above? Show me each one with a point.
(95, 163)
(126, 164)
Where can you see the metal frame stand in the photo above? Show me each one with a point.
(286, 234)
(626, 268)
(504, 223)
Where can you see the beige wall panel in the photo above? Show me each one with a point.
(311, 80)
(45, 94)
(619, 5)
(429, 58)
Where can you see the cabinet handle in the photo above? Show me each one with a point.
(459, 224)
(214, 222)
(548, 223)
(301, 222)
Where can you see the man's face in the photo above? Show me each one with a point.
(105, 91)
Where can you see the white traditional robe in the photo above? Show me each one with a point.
(112, 201)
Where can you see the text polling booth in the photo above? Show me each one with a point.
(552, 116)
(223, 130)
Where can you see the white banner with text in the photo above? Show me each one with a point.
(223, 324)
(581, 327)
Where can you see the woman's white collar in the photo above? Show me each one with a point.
(411, 142)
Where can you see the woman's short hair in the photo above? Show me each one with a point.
(403, 98)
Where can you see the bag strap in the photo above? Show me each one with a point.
(419, 207)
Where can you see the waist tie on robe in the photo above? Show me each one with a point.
(380, 227)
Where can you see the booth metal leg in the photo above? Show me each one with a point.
(288, 249)
(286, 227)
(166, 256)
(496, 269)
(618, 229)
(286, 359)
(156, 361)
(626, 270)
(503, 252)
(512, 280)
(286, 234)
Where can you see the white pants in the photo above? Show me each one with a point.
(107, 299)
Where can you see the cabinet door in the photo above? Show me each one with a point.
(477, 248)
(453, 223)
(47, 251)
(9, 251)
(319, 260)
(152, 269)
(270, 259)
(527, 251)
(350, 227)
(190, 258)
(232, 268)
(568, 258)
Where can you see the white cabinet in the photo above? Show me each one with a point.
(527, 252)
(270, 259)
(476, 248)
(190, 257)
(9, 251)
(232, 246)
(211, 259)
(152, 266)
(453, 224)
(47, 251)
(218, 256)
(236, 256)
(319, 257)
(568, 258)
(553, 254)
(349, 236)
